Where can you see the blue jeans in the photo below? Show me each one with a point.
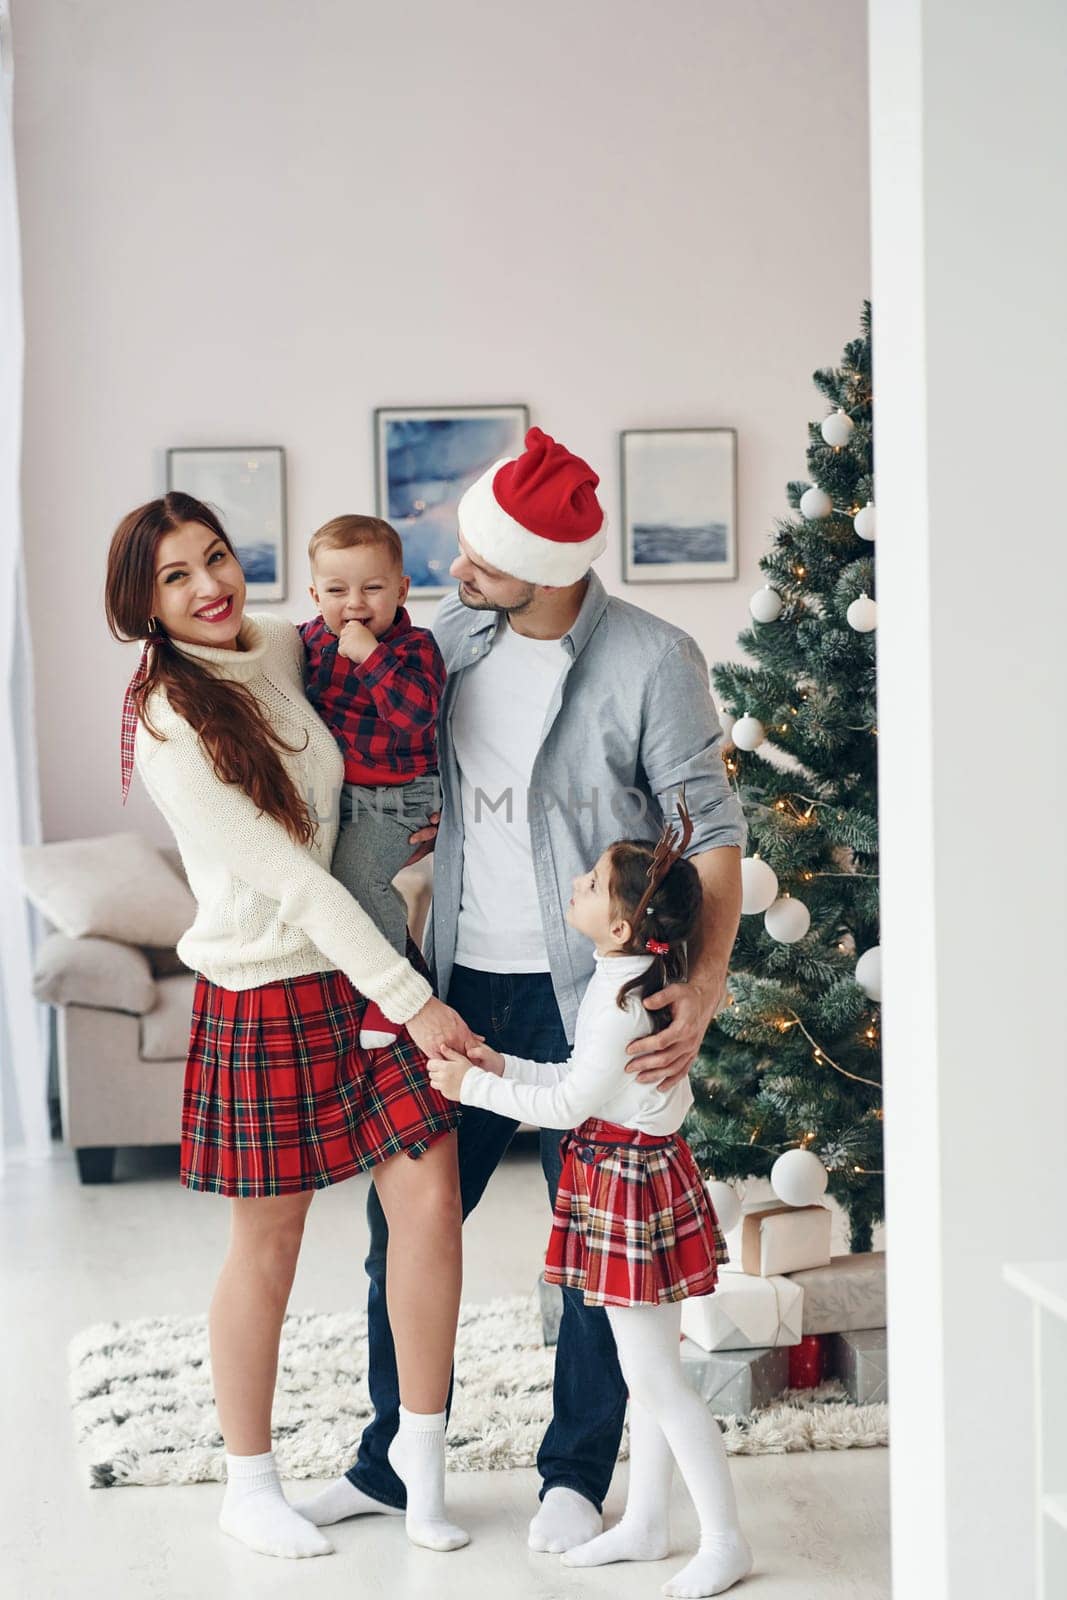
(517, 1013)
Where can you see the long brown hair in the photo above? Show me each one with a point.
(241, 744)
(672, 918)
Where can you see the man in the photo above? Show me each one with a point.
(569, 719)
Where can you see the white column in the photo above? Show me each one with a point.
(969, 274)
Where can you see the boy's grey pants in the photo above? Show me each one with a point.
(373, 842)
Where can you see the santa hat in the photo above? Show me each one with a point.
(536, 517)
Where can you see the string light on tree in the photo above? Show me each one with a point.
(837, 429)
(787, 920)
(815, 504)
(862, 614)
(766, 604)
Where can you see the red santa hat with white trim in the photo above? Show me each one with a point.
(536, 517)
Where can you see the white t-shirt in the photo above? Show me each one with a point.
(497, 723)
(594, 1082)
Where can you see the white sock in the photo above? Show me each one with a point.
(566, 1519)
(647, 1338)
(255, 1511)
(644, 1534)
(340, 1500)
(417, 1456)
(722, 1560)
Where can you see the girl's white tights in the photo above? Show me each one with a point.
(669, 1420)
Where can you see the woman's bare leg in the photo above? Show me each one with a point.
(249, 1304)
(422, 1206)
(245, 1327)
(424, 1273)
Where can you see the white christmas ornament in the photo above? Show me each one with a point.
(726, 1204)
(815, 503)
(766, 604)
(787, 920)
(759, 886)
(862, 614)
(799, 1178)
(864, 521)
(748, 732)
(837, 428)
(868, 967)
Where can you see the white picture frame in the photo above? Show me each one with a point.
(245, 485)
(679, 504)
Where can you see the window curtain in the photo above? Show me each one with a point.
(24, 1131)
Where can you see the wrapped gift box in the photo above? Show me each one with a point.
(550, 1296)
(745, 1313)
(858, 1358)
(735, 1382)
(785, 1239)
(807, 1361)
(847, 1294)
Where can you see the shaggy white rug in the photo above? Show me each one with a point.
(144, 1412)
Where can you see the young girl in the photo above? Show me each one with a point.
(633, 1226)
(279, 1098)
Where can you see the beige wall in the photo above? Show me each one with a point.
(248, 222)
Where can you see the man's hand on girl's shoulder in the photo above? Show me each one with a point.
(664, 1058)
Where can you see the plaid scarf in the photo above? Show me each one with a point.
(129, 719)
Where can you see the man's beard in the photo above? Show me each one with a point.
(482, 604)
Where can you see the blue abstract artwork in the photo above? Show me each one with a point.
(427, 458)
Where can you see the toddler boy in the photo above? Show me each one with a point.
(376, 681)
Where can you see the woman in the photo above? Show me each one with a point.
(279, 1098)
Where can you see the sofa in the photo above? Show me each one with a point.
(113, 909)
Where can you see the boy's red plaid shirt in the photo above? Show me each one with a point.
(382, 711)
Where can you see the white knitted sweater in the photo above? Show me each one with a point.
(267, 907)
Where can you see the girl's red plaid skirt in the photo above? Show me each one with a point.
(280, 1097)
(633, 1224)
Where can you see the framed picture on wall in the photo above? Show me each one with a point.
(679, 504)
(426, 457)
(246, 486)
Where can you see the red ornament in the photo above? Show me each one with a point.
(806, 1362)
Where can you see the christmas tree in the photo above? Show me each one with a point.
(793, 1059)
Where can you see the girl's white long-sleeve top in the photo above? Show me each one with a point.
(267, 908)
(594, 1082)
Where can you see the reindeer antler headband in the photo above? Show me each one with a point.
(669, 847)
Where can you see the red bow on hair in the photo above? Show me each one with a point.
(129, 720)
(659, 947)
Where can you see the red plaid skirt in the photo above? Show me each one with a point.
(280, 1097)
(633, 1224)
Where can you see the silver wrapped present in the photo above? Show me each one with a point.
(859, 1359)
(735, 1382)
(847, 1294)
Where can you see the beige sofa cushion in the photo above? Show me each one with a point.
(115, 887)
(93, 972)
(165, 1029)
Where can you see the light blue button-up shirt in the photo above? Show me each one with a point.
(631, 721)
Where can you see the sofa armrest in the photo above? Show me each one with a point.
(93, 972)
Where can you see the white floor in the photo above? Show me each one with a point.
(70, 1256)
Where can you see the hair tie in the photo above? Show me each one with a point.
(659, 947)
